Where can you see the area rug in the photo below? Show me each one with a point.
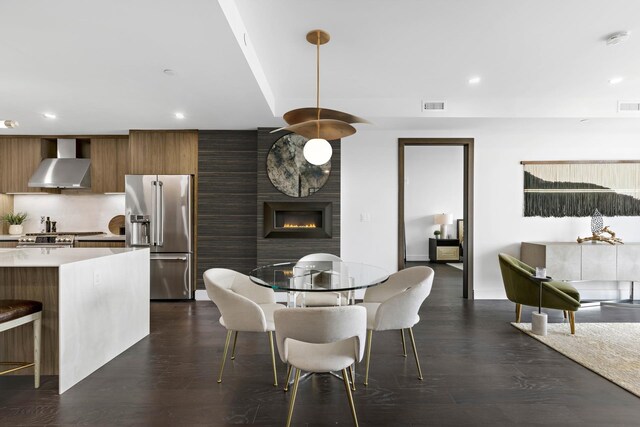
(611, 350)
(458, 265)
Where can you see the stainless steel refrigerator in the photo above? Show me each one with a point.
(159, 215)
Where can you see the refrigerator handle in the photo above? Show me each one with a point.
(154, 202)
(160, 240)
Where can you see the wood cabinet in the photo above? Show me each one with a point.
(109, 164)
(19, 158)
(172, 152)
(444, 250)
(8, 244)
(99, 244)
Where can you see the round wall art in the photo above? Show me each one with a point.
(288, 170)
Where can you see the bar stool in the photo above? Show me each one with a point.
(14, 313)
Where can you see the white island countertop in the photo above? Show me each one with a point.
(54, 257)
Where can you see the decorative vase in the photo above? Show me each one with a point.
(15, 229)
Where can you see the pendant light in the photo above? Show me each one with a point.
(319, 124)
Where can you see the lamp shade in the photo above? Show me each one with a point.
(317, 151)
(443, 219)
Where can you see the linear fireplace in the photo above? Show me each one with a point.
(297, 220)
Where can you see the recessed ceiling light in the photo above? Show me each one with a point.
(615, 80)
(474, 80)
(169, 72)
(179, 116)
(8, 124)
(49, 115)
(617, 38)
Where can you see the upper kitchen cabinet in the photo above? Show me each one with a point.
(19, 158)
(173, 152)
(109, 163)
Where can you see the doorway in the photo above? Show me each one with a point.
(466, 227)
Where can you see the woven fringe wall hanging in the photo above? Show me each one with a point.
(577, 188)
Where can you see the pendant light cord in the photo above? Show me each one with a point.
(318, 81)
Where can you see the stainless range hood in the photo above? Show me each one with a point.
(66, 171)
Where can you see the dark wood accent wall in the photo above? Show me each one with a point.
(227, 184)
(271, 250)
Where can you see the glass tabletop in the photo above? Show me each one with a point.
(318, 276)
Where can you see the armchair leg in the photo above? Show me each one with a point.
(273, 359)
(518, 312)
(415, 353)
(572, 322)
(233, 350)
(286, 382)
(404, 343)
(350, 397)
(564, 313)
(366, 374)
(224, 355)
(293, 397)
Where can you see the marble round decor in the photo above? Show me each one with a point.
(290, 172)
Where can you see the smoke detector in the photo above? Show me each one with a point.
(617, 38)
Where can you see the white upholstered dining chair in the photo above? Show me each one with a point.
(321, 339)
(244, 307)
(321, 299)
(394, 304)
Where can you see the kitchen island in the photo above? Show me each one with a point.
(95, 306)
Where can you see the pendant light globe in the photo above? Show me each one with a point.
(317, 151)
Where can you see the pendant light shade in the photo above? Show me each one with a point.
(320, 124)
(317, 151)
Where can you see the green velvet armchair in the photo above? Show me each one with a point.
(522, 290)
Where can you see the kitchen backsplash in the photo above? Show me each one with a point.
(71, 212)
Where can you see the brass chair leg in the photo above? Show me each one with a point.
(350, 397)
(366, 374)
(294, 392)
(353, 378)
(404, 343)
(37, 327)
(224, 355)
(273, 359)
(572, 322)
(518, 312)
(415, 353)
(286, 383)
(233, 350)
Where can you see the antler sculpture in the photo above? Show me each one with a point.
(598, 236)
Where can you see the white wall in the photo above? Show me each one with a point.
(433, 184)
(369, 185)
(91, 212)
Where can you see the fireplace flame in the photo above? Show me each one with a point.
(288, 225)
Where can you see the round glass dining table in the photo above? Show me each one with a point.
(318, 276)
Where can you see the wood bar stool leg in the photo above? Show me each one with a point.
(37, 328)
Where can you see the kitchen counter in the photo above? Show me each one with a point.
(53, 257)
(101, 238)
(10, 237)
(95, 305)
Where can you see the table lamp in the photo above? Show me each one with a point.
(443, 220)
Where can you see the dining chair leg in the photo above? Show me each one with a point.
(572, 322)
(294, 392)
(286, 382)
(233, 350)
(404, 343)
(353, 377)
(518, 312)
(37, 328)
(224, 354)
(366, 374)
(415, 353)
(273, 359)
(350, 397)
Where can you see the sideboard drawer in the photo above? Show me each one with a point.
(448, 253)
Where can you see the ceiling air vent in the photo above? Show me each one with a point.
(628, 106)
(432, 105)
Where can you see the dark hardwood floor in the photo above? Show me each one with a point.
(478, 369)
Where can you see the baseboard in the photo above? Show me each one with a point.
(417, 258)
(201, 295)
